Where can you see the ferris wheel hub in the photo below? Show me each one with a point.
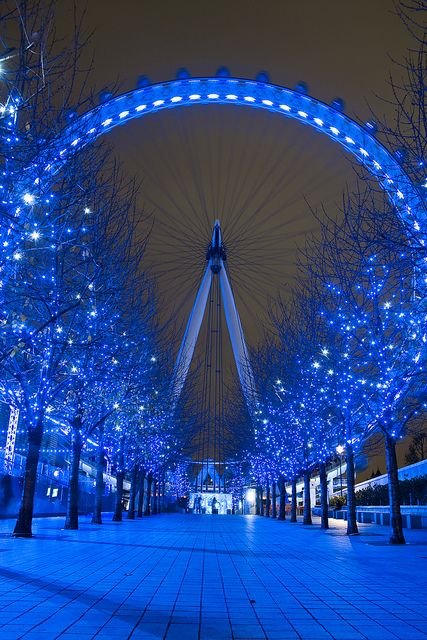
(216, 251)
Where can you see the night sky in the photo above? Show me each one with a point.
(257, 172)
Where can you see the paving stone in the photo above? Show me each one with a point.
(180, 577)
(183, 632)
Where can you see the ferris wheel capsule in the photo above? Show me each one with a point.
(143, 81)
(262, 76)
(223, 72)
(372, 127)
(302, 87)
(400, 155)
(71, 114)
(338, 104)
(182, 74)
(104, 96)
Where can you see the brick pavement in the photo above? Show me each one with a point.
(185, 577)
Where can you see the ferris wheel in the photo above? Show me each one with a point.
(330, 121)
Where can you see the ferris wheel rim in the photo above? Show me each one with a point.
(242, 92)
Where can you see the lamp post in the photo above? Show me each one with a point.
(340, 451)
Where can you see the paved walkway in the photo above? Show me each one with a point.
(210, 578)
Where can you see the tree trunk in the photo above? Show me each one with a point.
(294, 501)
(72, 517)
(132, 495)
(268, 501)
(154, 497)
(118, 511)
(23, 526)
(261, 501)
(282, 499)
(273, 500)
(159, 496)
(147, 510)
(307, 499)
(120, 476)
(257, 502)
(99, 490)
(324, 496)
(141, 493)
(351, 497)
(397, 536)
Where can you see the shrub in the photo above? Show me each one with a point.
(413, 491)
(338, 501)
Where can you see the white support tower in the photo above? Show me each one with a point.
(215, 267)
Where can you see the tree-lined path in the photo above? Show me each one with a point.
(190, 577)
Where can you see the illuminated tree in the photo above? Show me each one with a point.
(41, 87)
(238, 481)
(43, 311)
(124, 442)
(58, 312)
(376, 311)
(181, 480)
(104, 396)
(306, 431)
(98, 342)
(405, 131)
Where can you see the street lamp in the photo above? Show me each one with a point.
(340, 451)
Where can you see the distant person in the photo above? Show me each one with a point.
(214, 505)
